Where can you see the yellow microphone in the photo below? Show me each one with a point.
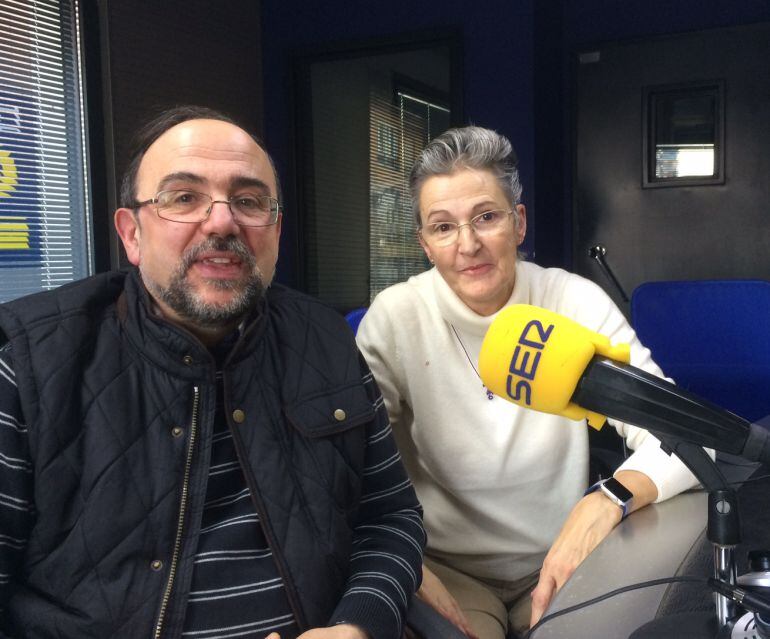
(535, 358)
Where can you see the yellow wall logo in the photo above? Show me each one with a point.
(8, 174)
(14, 232)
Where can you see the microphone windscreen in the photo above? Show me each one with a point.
(535, 358)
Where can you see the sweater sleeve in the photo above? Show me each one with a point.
(667, 472)
(16, 501)
(386, 563)
(377, 344)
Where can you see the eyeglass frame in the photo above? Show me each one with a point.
(275, 209)
(459, 226)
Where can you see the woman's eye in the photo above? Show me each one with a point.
(487, 217)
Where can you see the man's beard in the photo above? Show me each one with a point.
(181, 297)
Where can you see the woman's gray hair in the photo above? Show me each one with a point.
(470, 147)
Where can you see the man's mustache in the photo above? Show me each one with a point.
(225, 244)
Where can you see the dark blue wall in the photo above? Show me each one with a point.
(516, 65)
(588, 21)
(497, 76)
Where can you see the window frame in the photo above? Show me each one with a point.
(56, 210)
(649, 114)
(302, 122)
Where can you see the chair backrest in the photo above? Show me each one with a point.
(354, 318)
(712, 337)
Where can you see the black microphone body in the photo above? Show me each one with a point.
(634, 396)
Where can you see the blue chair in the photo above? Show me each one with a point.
(354, 318)
(712, 337)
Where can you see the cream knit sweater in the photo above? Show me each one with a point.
(496, 480)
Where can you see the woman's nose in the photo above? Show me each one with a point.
(467, 239)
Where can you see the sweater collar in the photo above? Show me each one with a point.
(458, 313)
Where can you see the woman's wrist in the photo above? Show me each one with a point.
(599, 503)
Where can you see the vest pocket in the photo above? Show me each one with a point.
(332, 425)
(332, 411)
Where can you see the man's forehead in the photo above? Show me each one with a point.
(203, 130)
(205, 148)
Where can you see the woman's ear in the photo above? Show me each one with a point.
(425, 248)
(521, 223)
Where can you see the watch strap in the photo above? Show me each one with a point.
(600, 485)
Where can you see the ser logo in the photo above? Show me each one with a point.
(525, 360)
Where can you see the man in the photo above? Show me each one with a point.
(185, 449)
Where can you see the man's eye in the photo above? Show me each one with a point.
(178, 198)
(248, 202)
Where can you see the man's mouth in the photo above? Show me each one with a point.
(218, 259)
(221, 260)
(219, 267)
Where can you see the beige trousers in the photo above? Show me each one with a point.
(492, 607)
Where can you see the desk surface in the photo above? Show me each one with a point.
(649, 544)
(653, 543)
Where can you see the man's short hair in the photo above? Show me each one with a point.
(157, 126)
(470, 147)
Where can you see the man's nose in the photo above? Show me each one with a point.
(221, 220)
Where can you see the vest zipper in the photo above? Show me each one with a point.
(259, 506)
(182, 509)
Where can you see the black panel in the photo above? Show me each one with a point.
(684, 232)
(163, 54)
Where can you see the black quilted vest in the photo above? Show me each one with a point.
(120, 408)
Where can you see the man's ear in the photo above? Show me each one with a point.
(127, 226)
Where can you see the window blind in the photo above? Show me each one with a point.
(398, 133)
(396, 139)
(45, 216)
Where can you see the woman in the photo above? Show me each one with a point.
(502, 486)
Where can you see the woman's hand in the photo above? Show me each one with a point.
(590, 521)
(435, 594)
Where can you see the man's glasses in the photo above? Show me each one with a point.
(447, 233)
(191, 207)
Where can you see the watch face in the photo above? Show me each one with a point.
(618, 489)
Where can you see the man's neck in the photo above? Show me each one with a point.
(209, 336)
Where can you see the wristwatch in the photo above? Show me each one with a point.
(616, 492)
